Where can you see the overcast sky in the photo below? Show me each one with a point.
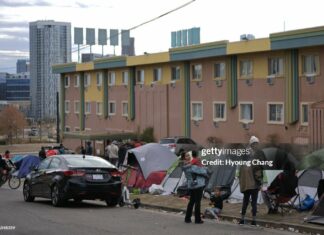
(218, 20)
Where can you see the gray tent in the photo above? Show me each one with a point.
(151, 157)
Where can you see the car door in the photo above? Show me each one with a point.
(37, 176)
(49, 175)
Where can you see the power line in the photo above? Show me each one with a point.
(146, 22)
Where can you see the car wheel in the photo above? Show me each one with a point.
(26, 192)
(57, 199)
(112, 202)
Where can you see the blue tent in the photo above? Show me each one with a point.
(26, 164)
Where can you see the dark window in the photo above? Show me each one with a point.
(167, 141)
(181, 141)
(87, 162)
(55, 163)
(44, 164)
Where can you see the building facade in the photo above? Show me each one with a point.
(50, 43)
(219, 91)
(22, 66)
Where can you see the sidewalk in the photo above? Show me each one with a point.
(293, 221)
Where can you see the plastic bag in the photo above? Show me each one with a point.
(156, 189)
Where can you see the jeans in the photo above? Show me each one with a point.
(253, 194)
(195, 199)
(213, 211)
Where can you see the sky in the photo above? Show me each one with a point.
(218, 20)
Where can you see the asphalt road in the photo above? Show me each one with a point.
(39, 217)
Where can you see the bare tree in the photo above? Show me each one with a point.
(11, 122)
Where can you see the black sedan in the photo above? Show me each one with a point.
(77, 177)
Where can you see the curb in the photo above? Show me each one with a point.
(297, 228)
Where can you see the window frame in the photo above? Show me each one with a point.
(67, 106)
(245, 76)
(270, 64)
(87, 112)
(122, 108)
(240, 109)
(109, 110)
(99, 77)
(123, 77)
(100, 106)
(111, 78)
(192, 111)
(157, 72)
(177, 70)
(77, 80)
(142, 76)
(302, 122)
(216, 119)
(317, 64)
(282, 113)
(75, 105)
(67, 82)
(214, 70)
(87, 80)
(194, 71)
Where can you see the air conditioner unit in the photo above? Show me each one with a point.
(310, 78)
(198, 84)
(173, 83)
(215, 123)
(270, 79)
(219, 83)
(245, 126)
(249, 82)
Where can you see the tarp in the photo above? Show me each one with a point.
(152, 157)
(313, 160)
(27, 164)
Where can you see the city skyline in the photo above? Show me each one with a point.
(245, 17)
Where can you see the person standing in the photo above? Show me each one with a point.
(7, 154)
(250, 177)
(88, 150)
(112, 152)
(196, 180)
(42, 153)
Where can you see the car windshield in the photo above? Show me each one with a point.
(88, 161)
(167, 141)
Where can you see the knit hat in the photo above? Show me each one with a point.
(254, 139)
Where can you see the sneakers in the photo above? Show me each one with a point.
(253, 223)
(242, 222)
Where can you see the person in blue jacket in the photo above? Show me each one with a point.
(196, 180)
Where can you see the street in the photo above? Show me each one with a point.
(39, 217)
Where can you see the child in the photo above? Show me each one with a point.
(216, 199)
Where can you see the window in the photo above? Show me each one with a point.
(276, 66)
(140, 76)
(125, 77)
(304, 113)
(55, 163)
(87, 107)
(76, 81)
(275, 113)
(196, 111)
(246, 112)
(219, 111)
(157, 74)
(99, 79)
(112, 108)
(111, 78)
(196, 72)
(99, 108)
(87, 80)
(67, 82)
(219, 70)
(246, 68)
(311, 64)
(125, 109)
(175, 73)
(67, 129)
(76, 106)
(44, 164)
(76, 129)
(67, 106)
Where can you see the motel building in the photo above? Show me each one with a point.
(226, 91)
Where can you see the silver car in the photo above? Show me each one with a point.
(179, 144)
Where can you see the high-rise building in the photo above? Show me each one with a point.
(50, 43)
(22, 66)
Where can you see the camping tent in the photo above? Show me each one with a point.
(317, 217)
(26, 164)
(314, 159)
(149, 165)
(173, 180)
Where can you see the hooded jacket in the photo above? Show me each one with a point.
(196, 176)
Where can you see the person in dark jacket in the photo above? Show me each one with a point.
(251, 177)
(196, 181)
(216, 199)
(42, 153)
(281, 188)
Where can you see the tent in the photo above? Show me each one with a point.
(317, 216)
(173, 180)
(149, 164)
(26, 164)
(314, 159)
(279, 158)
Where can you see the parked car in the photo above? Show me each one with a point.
(64, 177)
(179, 144)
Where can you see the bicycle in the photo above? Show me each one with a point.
(11, 176)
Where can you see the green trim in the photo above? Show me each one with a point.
(64, 68)
(187, 131)
(295, 86)
(131, 94)
(82, 119)
(299, 33)
(62, 106)
(232, 83)
(105, 94)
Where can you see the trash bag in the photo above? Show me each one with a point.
(156, 189)
(306, 204)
